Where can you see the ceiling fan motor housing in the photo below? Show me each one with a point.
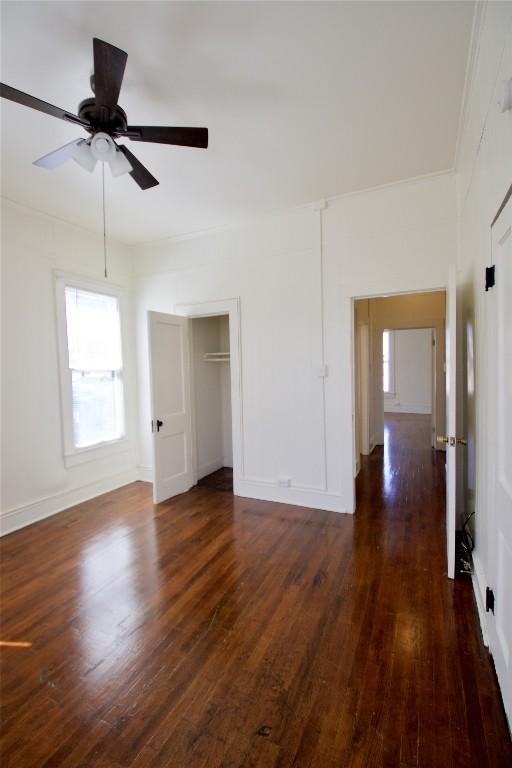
(111, 119)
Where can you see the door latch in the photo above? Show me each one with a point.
(159, 424)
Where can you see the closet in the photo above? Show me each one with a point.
(211, 394)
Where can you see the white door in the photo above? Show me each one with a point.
(451, 420)
(499, 313)
(170, 405)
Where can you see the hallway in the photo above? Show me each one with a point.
(214, 630)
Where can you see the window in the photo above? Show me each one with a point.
(91, 360)
(388, 362)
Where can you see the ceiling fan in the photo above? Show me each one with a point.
(106, 121)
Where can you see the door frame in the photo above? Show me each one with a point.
(217, 308)
(364, 388)
(492, 621)
(349, 294)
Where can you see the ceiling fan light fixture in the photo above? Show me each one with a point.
(119, 164)
(102, 147)
(84, 157)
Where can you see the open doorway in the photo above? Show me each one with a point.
(409, 386)
(399, 370)
(196, 402)
(211, 402)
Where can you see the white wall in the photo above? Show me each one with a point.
(413, 372)
(36, 481)
(295, 273)
(484, 173)
(212, 401)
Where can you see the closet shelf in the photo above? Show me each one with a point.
(216, 357)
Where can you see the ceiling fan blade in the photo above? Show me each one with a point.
(109, 65)
(7, 92)
(58, 156)
(139, 173)
(183, 137)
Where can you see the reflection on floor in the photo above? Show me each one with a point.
(409, 430)
(213, 631)
(221, 480)
(405, 463)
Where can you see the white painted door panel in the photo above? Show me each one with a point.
(170, 404)
(499, 305)
(451, 420)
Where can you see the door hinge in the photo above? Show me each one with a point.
(490, 277)
(152, 425)
(489, 600)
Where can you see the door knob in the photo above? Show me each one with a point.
(442, 440)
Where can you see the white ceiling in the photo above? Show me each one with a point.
(302, 100)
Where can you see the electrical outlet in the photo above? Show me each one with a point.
(283, 481)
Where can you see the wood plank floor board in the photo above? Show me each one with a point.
(220, 631)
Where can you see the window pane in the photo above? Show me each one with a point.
(385, 345)
(385, 377)
(386, 361)
(97, 407)
(94, 332)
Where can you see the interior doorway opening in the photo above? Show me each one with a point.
(196, 395)
(409, 385)
(211, 402)
(399, 372)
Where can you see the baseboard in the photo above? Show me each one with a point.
(302, 497)
(19, 517)
(209, 467)
(145, 473)
(479, 583)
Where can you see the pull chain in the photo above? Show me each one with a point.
(104, 219)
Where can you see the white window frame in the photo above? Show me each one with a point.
(391, 392)
(73, 455)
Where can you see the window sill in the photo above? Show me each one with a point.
(96, 452)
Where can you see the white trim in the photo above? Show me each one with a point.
(320, 207)
(471, 65)
(311, 205)
(348, 293)
(478, 581)
(26, 514)
(73, 456)
(295, 496)
(97, 451)
(66, 222)
(230, 307)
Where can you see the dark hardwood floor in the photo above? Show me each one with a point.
(221, 480)
(220, 631)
